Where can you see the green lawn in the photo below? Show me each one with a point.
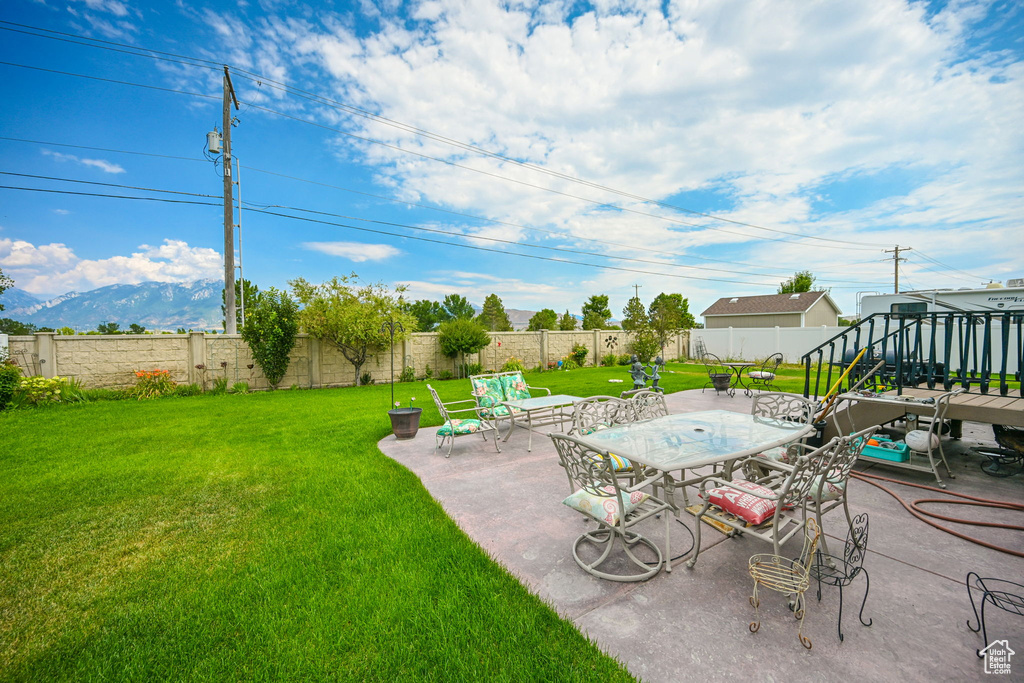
(259, 536)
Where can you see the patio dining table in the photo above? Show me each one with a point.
(687, 441)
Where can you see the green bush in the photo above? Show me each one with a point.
(428, 373)
(579, 354)
(609, 360)
(271, 325)
(408, 374)
(152, 384)
(365, 379)
(467, 369)
(446, 374)
(10, 378)
(623, 359)
(220, 386)
(569, 363)
(240, 388)
(513, 364)
(38, 390)
(188, 390)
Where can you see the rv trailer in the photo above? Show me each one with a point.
(997, 299)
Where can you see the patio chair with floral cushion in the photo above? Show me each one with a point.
(601, 412)
(602, 497)
(490, 390)
(784, 575)
(764, 377)
(454, 426)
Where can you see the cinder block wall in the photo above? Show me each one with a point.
(197, 357)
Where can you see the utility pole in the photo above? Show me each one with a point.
(636, 291)
(230, 324)
(896, 265)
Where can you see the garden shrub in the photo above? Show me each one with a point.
(271, 325)
(365, 379)
(152, 384)
(645, 345)
(188, 390)
(569, 363)
(513, 364)
(579, 354)
(609, 360)
(220, 386)
(623, 359)
(408, 374)
(467, 369)
(10, 378)
(446, 374)
(459, 337)
(428, 373)
(38, 390)
(240, 388)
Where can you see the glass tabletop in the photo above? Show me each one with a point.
(691, 440)
(543, 401)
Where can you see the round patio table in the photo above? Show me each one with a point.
(737, 369)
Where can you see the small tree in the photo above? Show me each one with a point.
(429, 314)
(108, 328)
(136, 328)
(567, 322)
(634, 315)
(271, 325)
(461, 336)
(544, 319)
(351, 317)
(493, 316)
(457, 308)
(802, 281)
(241, 287)
(668, 313)
(5, 284)
(596, 312)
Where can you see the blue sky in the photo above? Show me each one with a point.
(706, 148)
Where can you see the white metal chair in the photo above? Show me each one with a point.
(770, 504)
(600, 495)
(648, 404)
(601, 412)
(454, 427)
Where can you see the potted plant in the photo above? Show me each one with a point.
(405, 422)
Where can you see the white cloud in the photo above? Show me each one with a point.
(61, 212)
(51, 269)
(103, 165)
(354, 251)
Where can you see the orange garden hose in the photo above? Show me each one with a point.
(915, 509)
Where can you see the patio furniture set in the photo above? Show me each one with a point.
(627, 458)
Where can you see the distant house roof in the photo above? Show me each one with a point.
(768, 304)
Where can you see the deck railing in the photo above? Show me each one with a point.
(979, 351)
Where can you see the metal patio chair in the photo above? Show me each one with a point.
(719, 375)
(841, 571)
(764, 377)
(648, 404)
(454, 427)
(601, 496)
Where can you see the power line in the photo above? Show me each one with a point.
(145, 52)
(448, 211)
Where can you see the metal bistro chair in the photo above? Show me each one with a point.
(454, 427)
(601, 412)
(648, 404)
(602, 497)
(841, 571)
(780, 406)
(784, 575)
(764, 377)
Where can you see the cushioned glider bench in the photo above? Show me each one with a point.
(493, 392)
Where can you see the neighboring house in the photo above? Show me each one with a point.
(806, 309)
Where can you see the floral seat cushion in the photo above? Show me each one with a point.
(497, 411)
(605, 509)
(514, 387)
(780, 454)
(832, 490)
(467, 426)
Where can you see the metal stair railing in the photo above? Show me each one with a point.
(971, 349)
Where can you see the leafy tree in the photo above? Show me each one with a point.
(271, 325)
(109, 328)
(428, 314)
(493, 316)
(350, 317)
(802, 281)
(596, 312)
(14, 327)
(645, 344)
(251, 291)
(544, 319)
(5, 284)
(634, 315)
(457, 308)
(668, 313)
(461, 336)
(136, 328)
(66, 331)
(567, 322)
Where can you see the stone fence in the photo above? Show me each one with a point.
(201, 358)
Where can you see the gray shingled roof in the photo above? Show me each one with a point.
(771, 303)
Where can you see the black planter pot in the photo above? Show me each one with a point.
(721, 382)
(405, 422)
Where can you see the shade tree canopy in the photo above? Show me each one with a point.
(596, 312)
(493, 316)
(802, 281)
(567, 322)
(544, 319)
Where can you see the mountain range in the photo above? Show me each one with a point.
(154, 305)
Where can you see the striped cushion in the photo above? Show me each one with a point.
(469, 426)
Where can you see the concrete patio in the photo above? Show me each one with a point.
(693, 623)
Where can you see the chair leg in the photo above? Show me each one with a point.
(755, 625)
(801, 612)
(970, 594)
(696, 533)
(867, 587)
(840, 621)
